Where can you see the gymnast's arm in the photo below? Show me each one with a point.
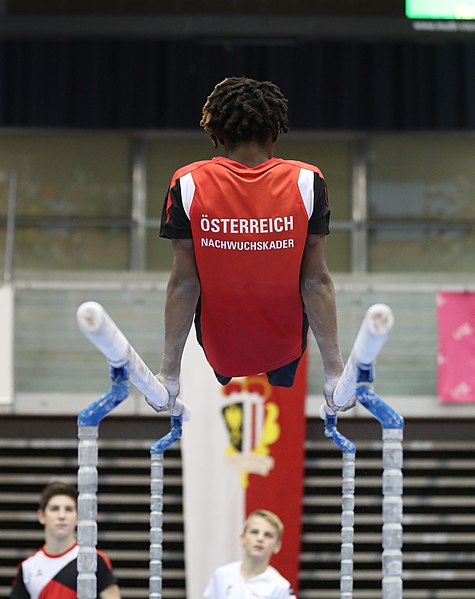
(183, 292)
(318, 294)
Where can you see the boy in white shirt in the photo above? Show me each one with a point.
(253, 577)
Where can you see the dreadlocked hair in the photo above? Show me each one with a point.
(243, 109)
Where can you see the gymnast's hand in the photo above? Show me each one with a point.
(172, 385)
(328, 391)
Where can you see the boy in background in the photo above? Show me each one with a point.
(253, 577)
(51, 572)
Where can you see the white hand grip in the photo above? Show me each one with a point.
(101, 330)
(373, 332)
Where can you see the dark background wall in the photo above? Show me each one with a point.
(115, 64)
(91, 83)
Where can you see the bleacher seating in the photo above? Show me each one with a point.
(439, 507)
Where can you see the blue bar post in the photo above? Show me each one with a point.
(392, 425)
(156, 505)
(348, 449)
(88, 430)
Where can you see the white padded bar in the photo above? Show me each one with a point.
(376, 325)
(96, 324)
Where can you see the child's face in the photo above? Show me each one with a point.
(59, 517)
(260, 540)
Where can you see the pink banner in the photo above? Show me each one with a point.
(456, 350)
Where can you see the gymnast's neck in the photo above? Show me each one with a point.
(250, 153)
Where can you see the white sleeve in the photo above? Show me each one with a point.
(284, 593)
(212, 588)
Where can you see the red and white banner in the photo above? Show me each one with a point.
(456, 346)
(243, 449)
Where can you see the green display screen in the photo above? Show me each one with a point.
(440, 9)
